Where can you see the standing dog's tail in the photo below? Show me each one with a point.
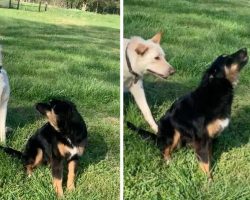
(12, 152)
(143, 133)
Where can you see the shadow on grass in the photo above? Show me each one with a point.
(236, 136)
(90, 47)
(20, 116)
(158, 92)
(199, 16)
(95, 152)
(222, 11)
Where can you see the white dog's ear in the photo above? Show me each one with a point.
(141, 49)
(157, 38)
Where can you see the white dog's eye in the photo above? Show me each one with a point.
(157, 58)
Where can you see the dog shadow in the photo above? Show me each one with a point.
(95, 152)
(20, 116)
(236, 136)
(158, 92)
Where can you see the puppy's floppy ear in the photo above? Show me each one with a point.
(157, 38)
(43, 108)
(141, 49)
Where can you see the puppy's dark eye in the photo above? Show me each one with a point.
(157, 58)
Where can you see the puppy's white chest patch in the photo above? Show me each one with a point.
(73, 151)
(70, 151)
(224, 123)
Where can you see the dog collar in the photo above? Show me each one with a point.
(137, 76)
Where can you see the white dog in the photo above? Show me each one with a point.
(4, 97)
(142, 57)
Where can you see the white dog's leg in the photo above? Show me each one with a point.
(3, 113)
(138, 93)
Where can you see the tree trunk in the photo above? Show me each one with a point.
(40, 3)
(18, 4)
(46, 6)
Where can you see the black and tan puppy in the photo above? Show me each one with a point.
(201, 115)
(64, 137)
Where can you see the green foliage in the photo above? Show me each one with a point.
(195, 33)
(99, 6)
(69, 54)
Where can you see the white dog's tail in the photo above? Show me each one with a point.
(1, 58)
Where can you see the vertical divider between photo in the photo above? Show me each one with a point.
(121, 103)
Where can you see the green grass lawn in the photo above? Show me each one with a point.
(69, 54)
(196, 32)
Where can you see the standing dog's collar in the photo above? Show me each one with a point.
(137, 76)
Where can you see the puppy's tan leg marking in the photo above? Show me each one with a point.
(205, 167)
(57, 183)
(71, 175)
(62, 149)
(204, 153)
(214, 128)
(168, 150)
(37, 161)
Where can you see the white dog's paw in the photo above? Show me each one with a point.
(155, 128)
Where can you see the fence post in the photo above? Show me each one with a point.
(46, 6)
(40, 3)
(10, 4)
(18, 4)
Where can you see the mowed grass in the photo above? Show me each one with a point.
(62, 54)
(196, 32)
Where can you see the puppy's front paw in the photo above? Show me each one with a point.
(60, 195)
(167, 159)
(70, 187)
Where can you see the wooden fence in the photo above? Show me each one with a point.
(18, 4)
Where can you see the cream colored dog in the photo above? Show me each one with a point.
(142, 57)
(4, 98)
